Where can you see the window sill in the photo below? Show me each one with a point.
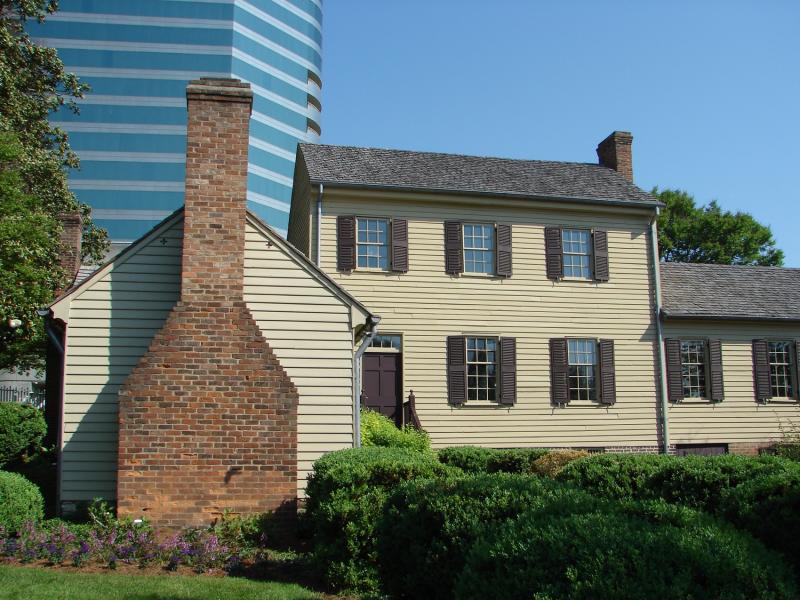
(483, 404)
(578, 280)
(482, 275)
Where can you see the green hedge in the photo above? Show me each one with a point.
(378, 430)
(346, 493)
(22, 429)
(20, 501)
(473, 459)
(428, 526)
(617, 476)
(645, 552)
(769, 508)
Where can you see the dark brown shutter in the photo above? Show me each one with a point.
(672, 349)
(504, 250)
(559, 369)
(345, 243)
(508, 370)
(761, 375)
(400, 245)
(456, 369)
(453, 248)
(553, 252)
(600, 252)
(716, 387)
(796, 369)
(608, 379)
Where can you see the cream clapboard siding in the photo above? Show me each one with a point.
(110, 325)
(426, 305)
(113, 319)
(309, 329)
(737, 418)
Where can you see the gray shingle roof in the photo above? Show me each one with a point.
(730, 292)
(402, 169)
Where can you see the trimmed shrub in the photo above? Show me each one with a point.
(515, 460)
(552, 463)
(346, 494)
(700, 481)
(790, 450)
(632, 552)
(428, 526)
(470, 459)
(20, 501)
(618, 476)
(22, 429)
(378, 430)
(769, 508)
(474, 459)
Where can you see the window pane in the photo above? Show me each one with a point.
(478, 248)
(780, 365)
(582, 359)
(481, 368)
(577, 253)
(693, 368)
(373, 244)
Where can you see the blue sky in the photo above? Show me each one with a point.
(710, 89)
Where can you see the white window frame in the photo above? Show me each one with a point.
(575, 382)
(491, 251)
(482, 369)
(697, 370)
(781, 370)
(387, 244)
(588, 254)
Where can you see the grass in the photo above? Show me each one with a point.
(27, 583)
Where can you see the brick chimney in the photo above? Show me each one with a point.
(70, 240)
(208, 417)
(614, 152)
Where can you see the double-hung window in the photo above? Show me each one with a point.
(481, 368)
(577, 253)
(479, 247)
(582, 361)
(372, 244)
(780, 369)
(693, 368)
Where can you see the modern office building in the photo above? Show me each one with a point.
(138, 57)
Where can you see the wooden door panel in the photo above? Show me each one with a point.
(382, 383)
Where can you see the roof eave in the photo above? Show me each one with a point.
(641, 204)
(685, 316)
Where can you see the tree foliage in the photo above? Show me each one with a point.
(33, 180)
(708, 234)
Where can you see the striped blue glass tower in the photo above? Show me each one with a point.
(138, 56)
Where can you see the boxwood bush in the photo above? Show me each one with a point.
(346, 493)
(473, 459)
(378, 430)
(22, 429)
(618, 476)
(552, 463)
(652, 552)
(769, 508)
(20, 501)
(428, 526)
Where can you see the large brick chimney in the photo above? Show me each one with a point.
(615, 153)
(208, 418)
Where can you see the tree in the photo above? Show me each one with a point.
(708, 234)
(33, 181)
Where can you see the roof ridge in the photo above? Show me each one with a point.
(453, 154)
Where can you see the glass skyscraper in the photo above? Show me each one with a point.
(138, 56)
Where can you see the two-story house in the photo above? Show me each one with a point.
(206, 367)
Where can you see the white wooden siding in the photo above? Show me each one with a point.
(113, 320)
(426, 305)
(110, 324)
(737, 418)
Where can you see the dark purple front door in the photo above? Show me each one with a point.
(382, 383)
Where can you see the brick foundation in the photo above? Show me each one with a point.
(748, 448)
(208, 418)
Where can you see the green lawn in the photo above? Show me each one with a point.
(25, 583)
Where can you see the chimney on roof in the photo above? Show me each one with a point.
(208, 417)
(70, 238)
(614, 152)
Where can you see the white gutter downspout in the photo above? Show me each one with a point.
(319, 220)
(662, 363)
(372, 329)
